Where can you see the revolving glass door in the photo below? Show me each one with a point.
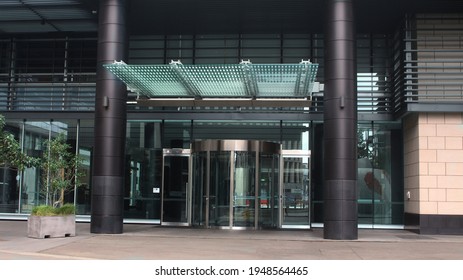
(235, 183)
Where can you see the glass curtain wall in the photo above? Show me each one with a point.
(35, 134)
(5, 50)
(143, 170)
(47, 74)
(176, 134)
(85, 141)
(146, 139)
(379, 176)
(228, 130)
(379, 190)
(21, 191)
(10, 177)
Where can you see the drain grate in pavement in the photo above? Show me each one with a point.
(415, 237)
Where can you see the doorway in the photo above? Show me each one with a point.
(176, 176)
(235, 184)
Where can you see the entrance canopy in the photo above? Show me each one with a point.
(243, 84)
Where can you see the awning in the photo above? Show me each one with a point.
(243, 84)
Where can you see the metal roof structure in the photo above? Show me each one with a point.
(209, 16)
(244, 84)
(37, 16)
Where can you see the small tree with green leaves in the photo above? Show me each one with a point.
(61, 170)
(11, 155)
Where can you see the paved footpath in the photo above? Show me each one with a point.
(148, 242)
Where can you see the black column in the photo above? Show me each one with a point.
(110, 123)
(340, 123)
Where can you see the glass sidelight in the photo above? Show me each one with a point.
(200, 172)
(244, 188)
(295, 189)
(268, 202)
(219, 190)
(175, 190)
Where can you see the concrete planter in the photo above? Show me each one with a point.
(51, 226)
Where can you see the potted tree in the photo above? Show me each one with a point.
(60, 175)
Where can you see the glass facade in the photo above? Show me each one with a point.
(380, 201)
(26, 190)
(379, 175)
(144, 156)
(379, 191)
(45, 76)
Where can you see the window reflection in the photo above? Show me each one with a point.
(374, 177)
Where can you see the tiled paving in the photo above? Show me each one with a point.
(148, 242)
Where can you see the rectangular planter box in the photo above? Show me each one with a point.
(51, 226)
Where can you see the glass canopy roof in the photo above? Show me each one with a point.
(230, 81)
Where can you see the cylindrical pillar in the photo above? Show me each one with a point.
(340, 123)
(110, 123)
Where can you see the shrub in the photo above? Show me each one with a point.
(43, 210)
(48, 210)
(66, 209)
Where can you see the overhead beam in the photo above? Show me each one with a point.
(225, 102)
(33, 10)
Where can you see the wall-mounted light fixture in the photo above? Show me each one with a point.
(105, 102)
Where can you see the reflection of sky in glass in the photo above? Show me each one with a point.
(367, 84)
(55, 127)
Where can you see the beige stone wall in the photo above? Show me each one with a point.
(433, 155)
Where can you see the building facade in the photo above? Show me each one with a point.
(380, 145)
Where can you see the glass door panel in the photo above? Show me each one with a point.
(268, 190)
(296, 191)
(200, 199)
(219, 189)
(244, 189)
(175, 188)
(235, 184)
